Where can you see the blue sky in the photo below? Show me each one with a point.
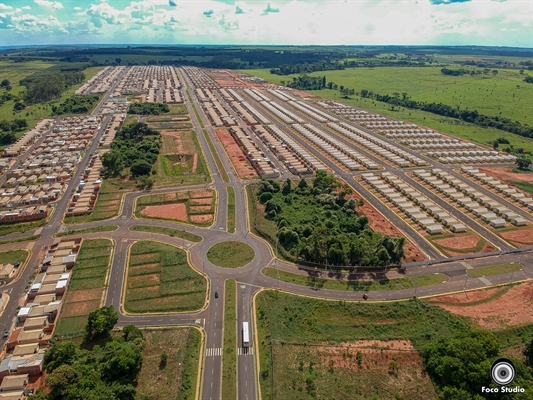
(394, 22)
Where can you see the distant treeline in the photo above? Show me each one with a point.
(50, 84)
(148, 108)
(76, 105)
(287, 69)
(471, 116)
(306, 82)
(8, 129)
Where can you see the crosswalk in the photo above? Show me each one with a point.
(213, 352)
(245, 351)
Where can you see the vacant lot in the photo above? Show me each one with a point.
(175, 378)
(196, 207)
(6, 229)
(107, 206)
(167, 231)
(13, 256)
(160, 279)
(86, 286)
(429, 83)
(296, 321)
(232, 254)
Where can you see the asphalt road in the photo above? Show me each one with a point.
(249, 278)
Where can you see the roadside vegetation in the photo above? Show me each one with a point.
(191, 237)
(21, 227)
(231, 210)
(316, 223)
(86, 287)
(229, 351)
(216, 157)
(76, 105)
(148, 108)
(451, 349)
(232, 254)
(160, 279)
(96, 229)
(22, 239)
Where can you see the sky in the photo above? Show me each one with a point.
(291, 22)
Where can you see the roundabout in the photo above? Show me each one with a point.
(230, 254)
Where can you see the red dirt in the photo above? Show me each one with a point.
(466, 297)
(194, 163)
(507, 175)
(461, 242)
(488, 248)
(170, 196)
(168, 211)
(202, 219)
(239, 161)
(512, 308)
(524, 236)
(207, 209)
(182, 195)
(379, 224)
(200, 202)
(198, 194)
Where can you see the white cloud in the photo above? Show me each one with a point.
(56, 5)
(77, 8)
(4, 7)
(26, 8)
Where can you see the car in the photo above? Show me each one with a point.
(216, 295)
(6, 334)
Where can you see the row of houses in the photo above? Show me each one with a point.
(261, 164)
(84, 199)
(25, 141)
(22, 364)
(161, 84)
(199, 78)
(101, 82)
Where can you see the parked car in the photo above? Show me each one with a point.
(6, 334)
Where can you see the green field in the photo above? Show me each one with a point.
(161, 381)
(22, 239)
(86, 287)
(191, 237)
(493, 270)
(160, 279)
(13, 256)
(96, 229)
(488, 94)
(6, 229)
(312, 280)
(229, 351)
(231, 254)
(231, 209)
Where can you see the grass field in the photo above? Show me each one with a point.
(232, 254)
(218, 161)
(175, 164)
(161, 381)
(22, 239)
(96, 229)
(189, 376)
(195, 207)
(191, 237)
(160, 279)
(356, 286)
(107, 206)
(493, 270)
(13, 256)
(231, 210)
(525, 186)
(86, 286)
(6, 229)
(288, 319)
(504, 85)
(229, 351)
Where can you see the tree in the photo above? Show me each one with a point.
(364, 93)
(495, 144)
(523, 163)
(528, 352)
(123, 362)
(60, 353)
(100, 322)
(113, 162)
(494, 72)
(302, 184)
(286, 187)
(140, 167)
(5, 83)
(61, 381)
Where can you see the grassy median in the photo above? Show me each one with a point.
(231, 210)
(216, 157)
(191, 237)
(229, 355)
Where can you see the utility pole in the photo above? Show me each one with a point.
(466, 278)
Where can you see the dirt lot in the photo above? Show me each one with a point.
(240, 162)
(461, 242)
(199, 194)
(466, 297)
(378, 223)
(201, 201)
(510, 309)
(79, 308)
(488, 248)
(202, 219)
(507, 175)
(168, 211)
(522, 236)
(200, 208)
(73, 296)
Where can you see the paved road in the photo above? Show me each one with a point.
(249, 278)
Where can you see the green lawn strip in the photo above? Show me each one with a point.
(96, 229)
(357, 286)
(167, 231)
(229, 351)
(6, 229)
(493, 270)
(195, 111)
(525, 186)
(157, 379)
(446, 125)
(71, 326)
(13, 256)
(90, 269)
(22, 239)
(493, 296)
(218, 161)
(189, 376)
(284, 318)
(230, 254)
(231, 210)
(175, 286)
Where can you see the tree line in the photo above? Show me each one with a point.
(148, 108)
(135, 147)
(287, 69)
(45, 87)
(9, 130)
(76, 105)
(317, 223)
(471, 116)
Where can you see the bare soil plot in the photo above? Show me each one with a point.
(144, 269)
(466, 297)
(373, 369)
(202, 219)
(199, 194)
(201, 201)
(507, 175)
(74, 296)
(167, 211)
(240, 162)
(143, 280)
(79, 308)
(512, 308)
(462, 242)
(522, 236)
(199, 209)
